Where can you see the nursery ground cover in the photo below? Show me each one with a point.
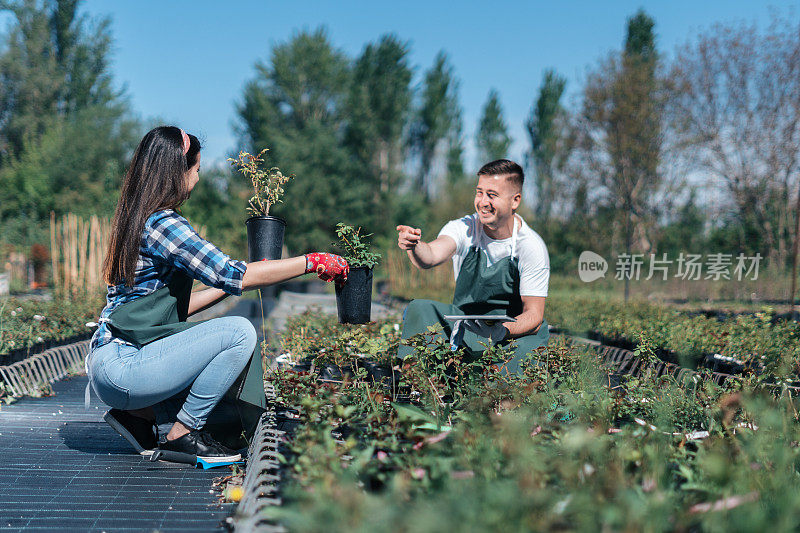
(63, 468)
(26, 326)
(759, 340)
(559, 448)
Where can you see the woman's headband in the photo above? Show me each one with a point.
(186, 142)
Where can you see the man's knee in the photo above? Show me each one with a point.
(416, 307)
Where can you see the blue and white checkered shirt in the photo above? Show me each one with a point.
(169, 243)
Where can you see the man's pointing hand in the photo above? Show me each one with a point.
(408, 237)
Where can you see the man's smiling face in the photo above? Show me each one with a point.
(496, 198)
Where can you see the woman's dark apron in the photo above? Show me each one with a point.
(163, 313)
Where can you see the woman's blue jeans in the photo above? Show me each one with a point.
(186, 373)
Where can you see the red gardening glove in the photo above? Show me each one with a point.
(329, 267)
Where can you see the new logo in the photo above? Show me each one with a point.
(591, 266)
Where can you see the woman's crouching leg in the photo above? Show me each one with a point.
(198, 364)
(220, 373)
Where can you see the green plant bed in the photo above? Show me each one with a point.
(555, 448)
(28, 327)
(678, 336)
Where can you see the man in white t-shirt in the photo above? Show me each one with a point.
(500, 264)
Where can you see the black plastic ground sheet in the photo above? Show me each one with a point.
(63, 468)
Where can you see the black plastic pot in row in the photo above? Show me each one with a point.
(705, 361)
(376, 373)
(19, 354)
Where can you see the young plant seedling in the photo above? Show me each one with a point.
(354, 249)
(267, 184)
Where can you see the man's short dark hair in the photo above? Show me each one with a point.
(504, 167)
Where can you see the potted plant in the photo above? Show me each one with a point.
(354, 298)
(336, 371)
(337, 362)
(264, 232)
(377, 344)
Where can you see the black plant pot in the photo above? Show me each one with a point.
(265, 237)
(302, 366)
(354, 298)
(379, 374)
(332, 372)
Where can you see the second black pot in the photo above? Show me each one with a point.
(379, 374)
(302, 366)
(332, 372)
(265, 237)
(354, 298)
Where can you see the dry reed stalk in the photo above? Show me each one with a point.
(72, 247)
(75, 229)
(54, 249)
(62, 243)
(68, 256)
(83, 243)
(409, 282)
(91, 273)
(77, 248)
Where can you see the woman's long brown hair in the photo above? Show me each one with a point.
(155, 180)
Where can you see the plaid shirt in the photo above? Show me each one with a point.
(169, 243)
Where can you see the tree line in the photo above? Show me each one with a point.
(698, 151)
(694, 150)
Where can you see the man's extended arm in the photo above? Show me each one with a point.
(529, 321)
(425, 254)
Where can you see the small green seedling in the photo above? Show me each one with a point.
(267, 184)
(354, 250)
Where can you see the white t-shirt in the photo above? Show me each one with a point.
(534, 262)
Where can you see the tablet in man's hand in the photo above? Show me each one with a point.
(487, 318)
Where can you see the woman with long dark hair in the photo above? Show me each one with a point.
(144, 354)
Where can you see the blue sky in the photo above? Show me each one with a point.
(186, 62)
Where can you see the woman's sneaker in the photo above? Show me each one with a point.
(141, 433)
(197, 444)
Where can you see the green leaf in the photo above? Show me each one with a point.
(413, 414)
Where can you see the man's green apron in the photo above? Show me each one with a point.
(481, 289)
(163, 313)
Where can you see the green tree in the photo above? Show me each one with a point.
(437, 130)
(455, 152)
(55, 63)
(546, 128)
(296, 107)
(684, 231)
(640, 41)
(492, 139)
(64, 131)
(623, 113)
(30, 80)
(379, 103)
